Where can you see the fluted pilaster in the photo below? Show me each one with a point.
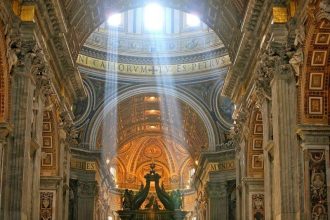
(217, 200)
(286, 152)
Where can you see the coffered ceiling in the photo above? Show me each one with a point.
(152, 115)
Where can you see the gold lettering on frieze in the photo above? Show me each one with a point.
(27, 13)
(222, 166)
(91, 166)
(83, 165)
(280, 14)
(77, 164)
(169, 69)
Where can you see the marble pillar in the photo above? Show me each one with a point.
(22, 173)
(82, 198)
(65, 172)
(239, 175)
(19, 155)
(253, 194)
(217, 200)
(268, 157)
(314, 141)
(18, 175)
(287, 204)
(5, 130)
(36, 144)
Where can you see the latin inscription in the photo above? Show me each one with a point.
(90, 166)
(83, 165)
(153, 69)
(225, 165)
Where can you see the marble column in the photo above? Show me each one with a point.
(287, 204)
(5, 130)
(23, 155)
(18, 170)
(82, 198)
(64, 161)
(240, 174)
(251, 188)
(86, 197)
(268, 156)
(217, 200)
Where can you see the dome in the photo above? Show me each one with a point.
(153, 94)
(180, 44)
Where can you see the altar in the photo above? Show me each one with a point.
(151, 215)
(171, 203)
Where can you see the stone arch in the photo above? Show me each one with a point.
(139, 150)
(224, 17)
(50, 145)
(184, 170)
(195, 104)
(254, 142)
(4, 77)
(314, 82)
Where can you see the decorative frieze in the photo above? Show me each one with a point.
(47, 204)
(258, 207)
(324, 12)
(266, 69)
(202, 205)
(318, 185)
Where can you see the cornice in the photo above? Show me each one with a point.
(211, 157)
(182, 79)
(314, 135)
(49, 19)
(197, 57)
(50, 182)
(258, 14)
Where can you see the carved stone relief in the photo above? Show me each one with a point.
(318, 187)
(47, 200)
(258, 210)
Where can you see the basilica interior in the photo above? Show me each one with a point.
(164, 110)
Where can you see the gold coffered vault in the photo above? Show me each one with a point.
(177, 109)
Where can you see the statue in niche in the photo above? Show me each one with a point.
(300, 36)
(297, 57)
(296, 60)
(319, 213)
(34, 115)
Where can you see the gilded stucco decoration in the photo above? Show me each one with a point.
(85, 18)
(4, 79)
(145, 134)
(47, 204)
(50, 153)
(314, 89)
(318, 191)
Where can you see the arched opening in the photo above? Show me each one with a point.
(224, 18)
(153, 75)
